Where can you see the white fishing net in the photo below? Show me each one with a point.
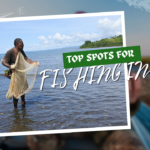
(23, 78)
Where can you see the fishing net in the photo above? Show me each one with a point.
(23, 78)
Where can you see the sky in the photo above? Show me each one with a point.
(58, 33)
(137, 14)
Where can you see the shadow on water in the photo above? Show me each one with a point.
(34, 98)
(20, 121)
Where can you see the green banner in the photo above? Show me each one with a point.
(102, 57)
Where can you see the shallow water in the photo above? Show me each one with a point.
(96, 105)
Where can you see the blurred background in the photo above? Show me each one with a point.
(137, 23)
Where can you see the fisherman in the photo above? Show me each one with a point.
(10, 58)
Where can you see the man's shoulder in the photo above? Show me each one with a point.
(10, 51)
(8, 54)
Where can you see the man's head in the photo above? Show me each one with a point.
(18, 44)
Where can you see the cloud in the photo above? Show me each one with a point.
(109, 27)
(74, 39)
(32, 47)
(43, 39)
(142, 4)
(105, 29)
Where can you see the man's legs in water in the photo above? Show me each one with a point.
(15, 102)
(23, 100)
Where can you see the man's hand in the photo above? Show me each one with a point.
(37, 63)
(13, 70)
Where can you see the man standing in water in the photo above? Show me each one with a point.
(10, 59)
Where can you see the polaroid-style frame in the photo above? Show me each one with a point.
(103, 14)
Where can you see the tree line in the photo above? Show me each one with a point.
(107, 42)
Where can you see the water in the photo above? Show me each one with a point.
(96, 105)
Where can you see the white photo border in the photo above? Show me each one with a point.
(57, 131)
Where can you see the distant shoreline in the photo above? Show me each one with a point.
(107, 42)
(99, 47)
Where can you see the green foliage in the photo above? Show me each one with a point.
(113, 41)
(6, 71)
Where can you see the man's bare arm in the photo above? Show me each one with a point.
(6, 64)
(30, 61)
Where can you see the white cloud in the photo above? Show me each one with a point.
(43, 39)
(59, 37)
(138, 4)
(109, 27)
(79, 36)
(106, 28)
(60, 40)
(32, 47)
(73, 39)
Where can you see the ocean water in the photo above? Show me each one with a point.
(96, 105)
